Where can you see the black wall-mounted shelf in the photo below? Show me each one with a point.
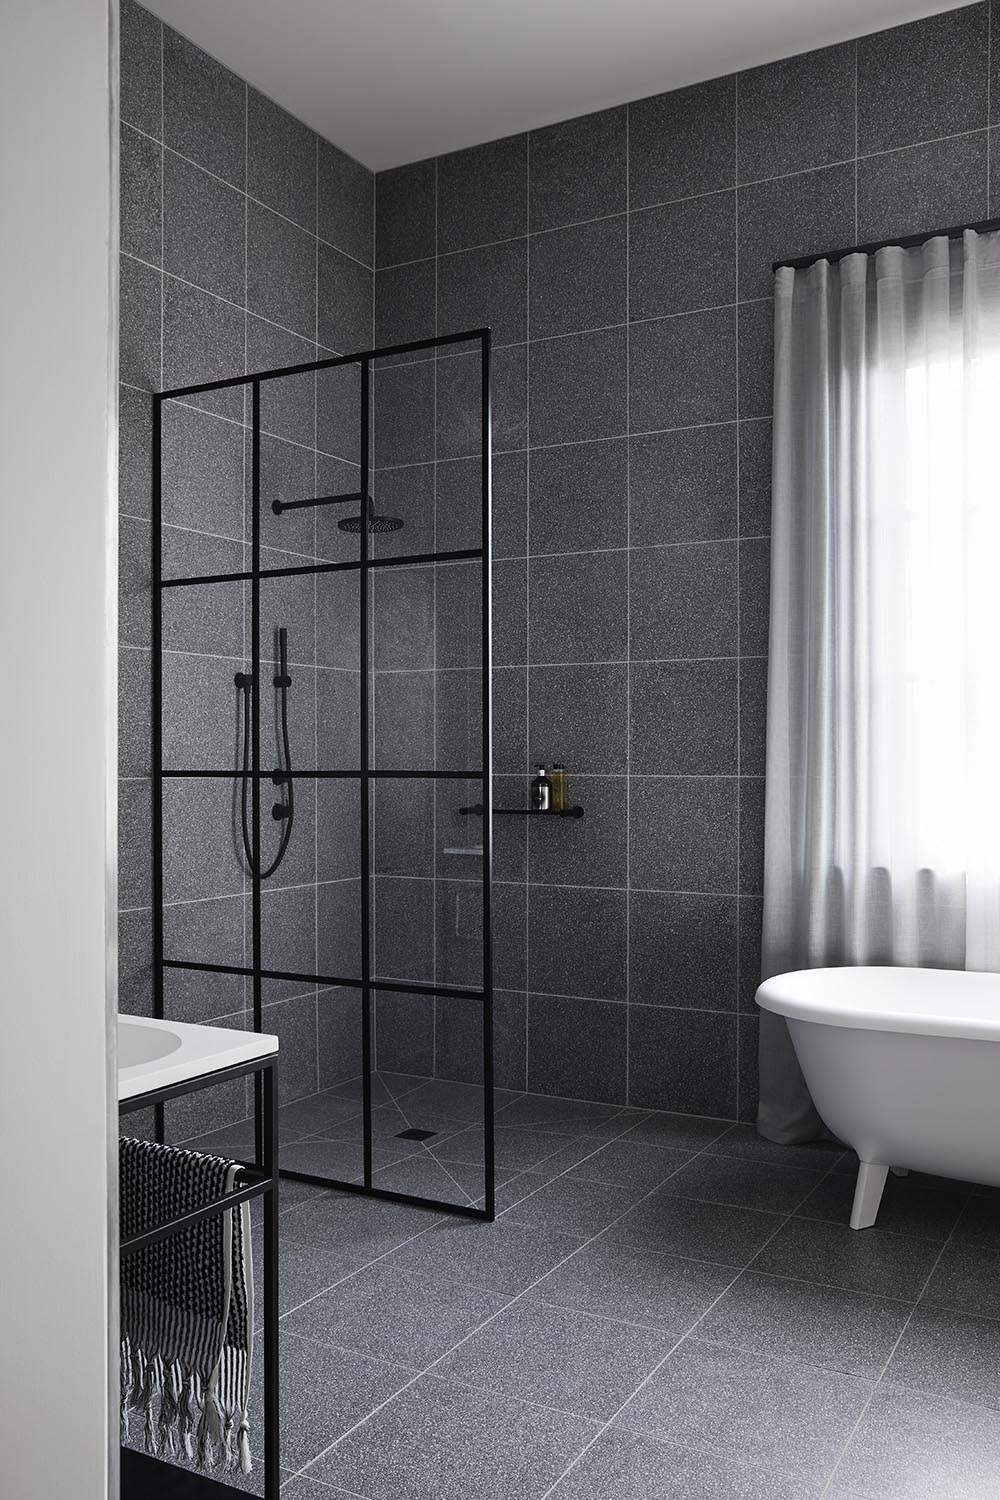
(476, 810)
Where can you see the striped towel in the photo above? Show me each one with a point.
(186, 1307)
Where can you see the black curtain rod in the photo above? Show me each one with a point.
(904, 242)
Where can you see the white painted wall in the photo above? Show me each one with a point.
(58, 209)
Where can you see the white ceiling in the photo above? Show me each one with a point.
(392, 81)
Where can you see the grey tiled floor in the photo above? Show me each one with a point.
(666, 1308)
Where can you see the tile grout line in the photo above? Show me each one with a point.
(609, 437)
(989, 109)
(162, 49)
(179, 402)
(316, 602)
(248, 984)
(601, 1144)
(484, 583)
(526, 789)
(628, 609)
(569, 1171)
(487, 1321)
(249, 312)
(739, 644)
(642, 208)
(856, 128)
(244, 192)
(892, 1352)
(689, 1333)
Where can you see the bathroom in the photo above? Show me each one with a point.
(460, 381)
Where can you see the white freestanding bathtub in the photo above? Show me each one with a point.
(903, 1065)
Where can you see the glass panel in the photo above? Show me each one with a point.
(202, 853)
(310, 903)
(322, 1133)
(402, 737)
(338, 879)
(202, 477)
(338, 677)
(403, 410)
(288, 698)
(288, 1009)
(459, 494)
(403, 927)
(459, 504)
(426, 411)
(403, 471)
(318, 702)
(458, 932)
(427, 882)
(459, 615)
(292, 473)
(338, 462)
(204, 619)
(338, 928)
(425, 667)
(459, 428)
(203, 651)
(288, 893)
(459, 831)
(425, 704)
(338, 412)
(458, 666)
(403, 828)
(458, 714)
(416, 1037)
(405, 495)
(205, 932)
(288, 402)
(202, 712)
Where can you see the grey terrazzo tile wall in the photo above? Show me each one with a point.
(247, 242)
(623, 261)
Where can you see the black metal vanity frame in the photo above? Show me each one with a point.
(367, 982)
(145, 1477)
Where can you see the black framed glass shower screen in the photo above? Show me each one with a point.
(321, 711)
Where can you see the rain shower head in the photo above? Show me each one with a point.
(376, 524)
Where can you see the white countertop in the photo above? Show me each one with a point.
(157, 1054)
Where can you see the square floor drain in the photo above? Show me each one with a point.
(415, 1135)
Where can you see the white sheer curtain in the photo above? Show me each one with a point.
(882, 824)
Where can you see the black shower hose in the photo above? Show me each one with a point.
(285, 811)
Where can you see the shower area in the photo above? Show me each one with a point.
(321, 732)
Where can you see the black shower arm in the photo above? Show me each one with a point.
(280, 506)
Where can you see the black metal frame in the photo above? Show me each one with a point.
(363, 565)
(145, 1477)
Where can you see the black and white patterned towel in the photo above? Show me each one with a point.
(186, 1307)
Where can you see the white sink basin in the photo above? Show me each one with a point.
(157, 1054)
(140, 1044)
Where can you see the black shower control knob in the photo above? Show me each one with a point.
(283, 681)
(243, 680)
(279, 812)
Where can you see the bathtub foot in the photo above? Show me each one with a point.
(868, 1194)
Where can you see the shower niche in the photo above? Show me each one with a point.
(321, 716)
